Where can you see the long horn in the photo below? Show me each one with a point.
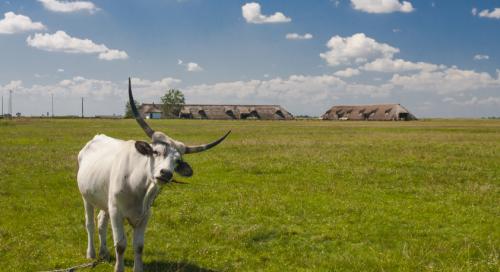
(200, 148)
(137, 116)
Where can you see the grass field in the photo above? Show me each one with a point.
(275, 196)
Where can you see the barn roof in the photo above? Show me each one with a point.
(150, 108)
(368, 112)
(225, 111)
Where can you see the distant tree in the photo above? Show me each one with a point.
(172, 101)
(128, 109)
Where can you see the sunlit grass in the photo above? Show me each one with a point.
(297, 195)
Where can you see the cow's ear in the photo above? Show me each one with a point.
(182, 168)
(144, 148)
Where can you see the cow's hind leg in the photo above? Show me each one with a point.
(89, 225)
(102, 223)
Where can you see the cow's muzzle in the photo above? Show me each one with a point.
(165, 176)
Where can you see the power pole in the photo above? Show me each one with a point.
(82, 107)
(2, 104)
(52, 104)
(10, 103)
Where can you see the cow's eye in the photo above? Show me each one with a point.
(155, 153)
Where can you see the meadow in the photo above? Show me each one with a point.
(275, 196)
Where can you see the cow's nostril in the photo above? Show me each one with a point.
(166, 174)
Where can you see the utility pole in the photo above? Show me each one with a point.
(10, 103)
(2, 103)
(82, 107)
(52, 104)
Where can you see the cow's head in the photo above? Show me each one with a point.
(165, 152)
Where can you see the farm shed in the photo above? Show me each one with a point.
(224, 112)
(151, 111)
(382, 112)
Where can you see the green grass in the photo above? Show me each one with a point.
(275, 196)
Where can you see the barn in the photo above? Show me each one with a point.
(381, 112)
(151, 111)
(222, 112)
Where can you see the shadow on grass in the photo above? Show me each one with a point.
(166, 266)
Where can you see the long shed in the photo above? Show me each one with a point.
(222, 112)
(378, 112)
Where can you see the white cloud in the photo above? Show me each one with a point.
(449, 80)
(313, 93)
(113, 54)
(60, 70)
(481, 57)
(489, 101)
(252, 14)
(296, 36)
(382, 6)
(494, 14)
(16, 23)
(349, 72)
(474, 11)
(151, 90)
(68, 6)
(62, 42)
(194, 67)
(387, 65)
(190, 66)
(97, 89)
(356, 49)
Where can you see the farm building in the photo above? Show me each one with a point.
(221, 112)
(151, 111)
(383, 112)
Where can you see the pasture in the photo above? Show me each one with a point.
(275, 196)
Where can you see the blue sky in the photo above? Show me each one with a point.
(437, 58)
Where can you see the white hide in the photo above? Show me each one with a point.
(115, 178)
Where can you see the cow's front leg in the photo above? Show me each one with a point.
(89, 225)
(102, 223)
(139, 231)
(119, 238)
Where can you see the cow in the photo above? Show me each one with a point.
(122, 179)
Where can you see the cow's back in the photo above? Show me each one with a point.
(95, 162)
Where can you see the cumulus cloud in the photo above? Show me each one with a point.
(490, 101)
(387, 65)
(253, 15)
(449, 80)
(79, 86)
(481, 57)
(382, 6)
(296, 36)
(305, 94)
(296, 92)
(16, 23)
(190, 66)
(113, 54)
(349, 72)
(68, 6)
(62, 42)
(493, 14)
(356, 49)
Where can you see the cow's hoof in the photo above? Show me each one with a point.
(104, 255)
(91, 255)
